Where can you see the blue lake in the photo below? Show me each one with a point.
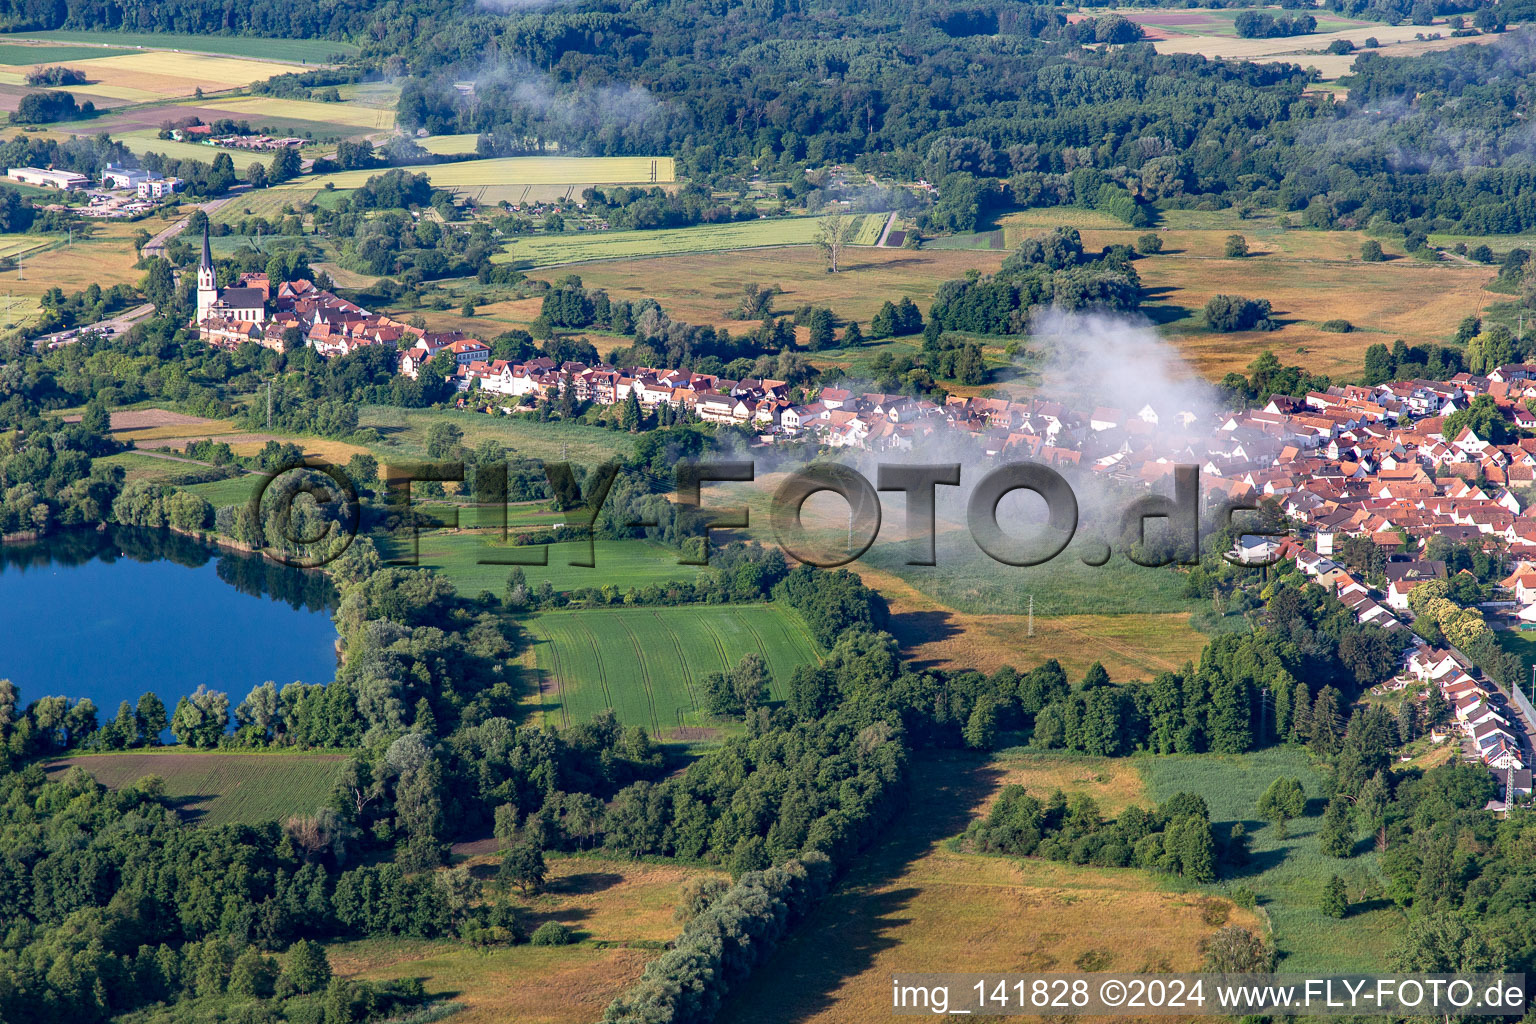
(108, 615)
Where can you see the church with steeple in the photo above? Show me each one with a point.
(224, 311)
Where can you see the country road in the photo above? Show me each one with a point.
(156, 245)
(112, 325)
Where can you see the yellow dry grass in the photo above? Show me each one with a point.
(1113, 782)
(1418, 302)
(1308, 50)
(352, 115)
(916, 905)
(700, 288)
(174, 431)
(1128, 646)
(611, 901)
(161, 74)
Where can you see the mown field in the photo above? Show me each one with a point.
(1288, 874)
(541, 250)
(915, 904)
(309, 51)
(620, 910)
(648, 664)
(219, 788)
(519, 170)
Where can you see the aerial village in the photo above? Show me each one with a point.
(1353, 461)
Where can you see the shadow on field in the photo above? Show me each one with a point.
(855, 923)
(585, 882)
(913, 629)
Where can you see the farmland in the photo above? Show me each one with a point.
(149, 76)
(614, 906)
(648, 663)
(348, 115)
(702, 288)
(306, 51)
(469, 175)
(219, 788)
(448, 145)
(459, 554)
(915, 904)
(544, 250)
(43, 53)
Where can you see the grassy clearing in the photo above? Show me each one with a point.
(915, 905)
(1288, 874)
(553, 250)
(522, 170)
(405, 434)
(619, 904)
(307, 51)
(220, 789)
(647, 664)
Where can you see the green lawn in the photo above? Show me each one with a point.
(1288, 874)
(237, 490)
(309, 51)
(213, 788)
(542, 250)
(405, 435)
(648, 663)
(625, 563)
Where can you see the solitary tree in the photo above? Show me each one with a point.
(523, 866)
(835, 233)
(1237, 246)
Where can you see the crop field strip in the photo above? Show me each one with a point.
(219, 788)
(542, 250)
(565, 171)
(293, 51)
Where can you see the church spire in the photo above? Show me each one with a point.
(207, 263)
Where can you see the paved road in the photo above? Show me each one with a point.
(886, 231)
(113, 325)
(156, 245)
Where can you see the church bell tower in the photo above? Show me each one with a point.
(207, 282)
